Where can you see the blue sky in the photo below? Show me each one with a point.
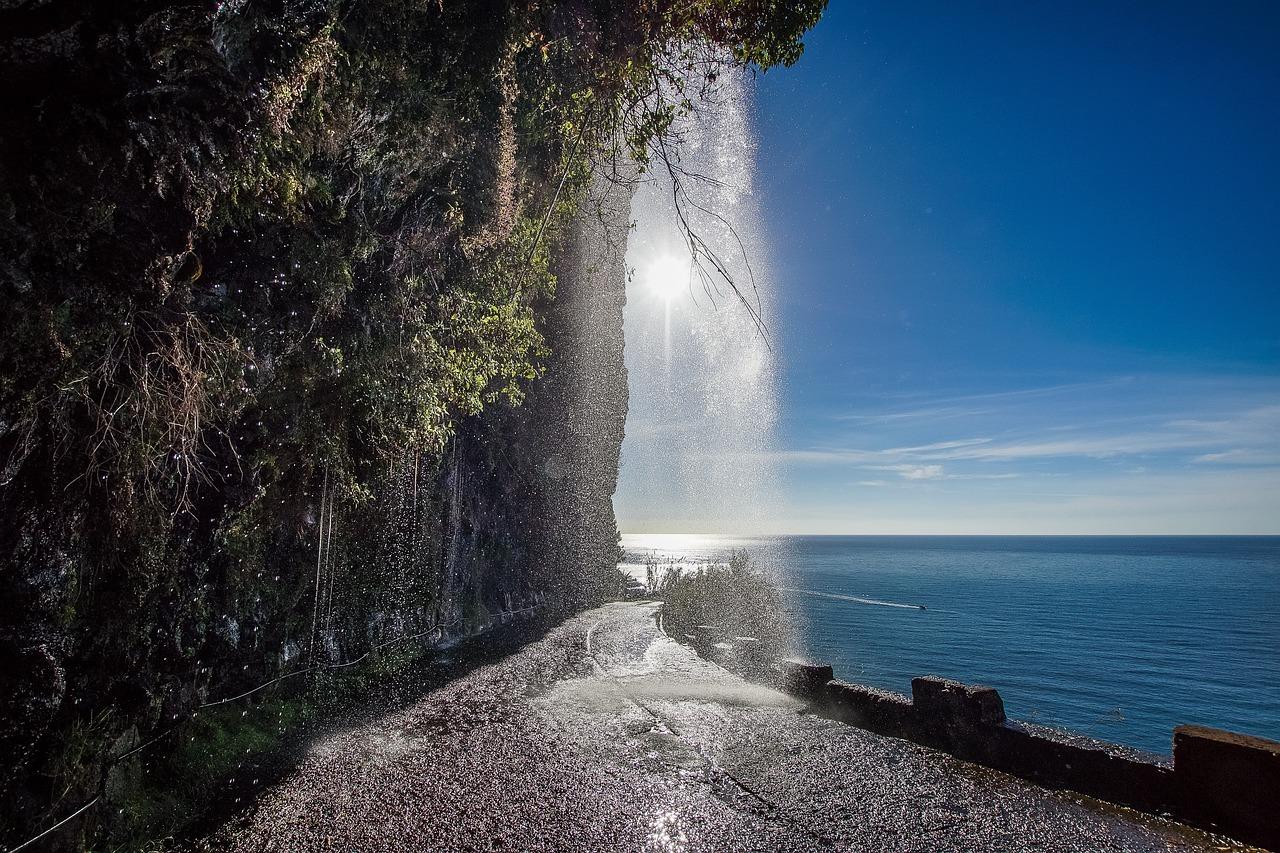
(1028, 263)
(1027, 259)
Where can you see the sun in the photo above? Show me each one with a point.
(667, 277)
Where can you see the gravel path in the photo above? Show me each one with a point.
(605, 735)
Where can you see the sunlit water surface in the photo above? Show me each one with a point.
(1118, 637)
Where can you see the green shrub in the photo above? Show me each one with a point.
(739, 601)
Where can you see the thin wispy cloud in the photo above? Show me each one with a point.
(1102, 456)
(1123, 456)
(1095, 447)
(1245, 437)
(912, 472)
(936, 472)
(1241, 456)
(939, 446)
(932, 413)
(949, 406)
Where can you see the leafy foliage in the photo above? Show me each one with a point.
(735, 598)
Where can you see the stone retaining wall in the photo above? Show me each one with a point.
(1220, 781)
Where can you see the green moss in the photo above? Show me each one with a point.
(214, 752)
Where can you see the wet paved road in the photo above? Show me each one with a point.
(605, 735)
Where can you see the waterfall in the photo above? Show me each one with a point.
(696, 457)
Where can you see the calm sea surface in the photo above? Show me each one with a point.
(1118, 637)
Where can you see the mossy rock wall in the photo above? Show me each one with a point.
(275, 279)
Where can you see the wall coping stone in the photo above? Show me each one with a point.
(802, 677)
(1229, 782)
(957, 702)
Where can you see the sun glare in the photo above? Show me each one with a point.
(667, 277)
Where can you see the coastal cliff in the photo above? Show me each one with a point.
(310, 346)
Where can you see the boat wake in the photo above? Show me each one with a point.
(855, 599)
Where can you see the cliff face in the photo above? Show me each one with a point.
(512, 518)
(275, 278)
(530, 489)
(573, 425)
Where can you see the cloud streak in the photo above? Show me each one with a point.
(1195, 455)
(1250, 437)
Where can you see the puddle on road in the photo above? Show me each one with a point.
(668, 705)
(719, 691)
(666, 834)
(665, 672)
(603, 695)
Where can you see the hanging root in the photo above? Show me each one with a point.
(158, 399)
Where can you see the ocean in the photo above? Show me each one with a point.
(1118, 637)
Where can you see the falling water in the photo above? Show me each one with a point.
(696, 457)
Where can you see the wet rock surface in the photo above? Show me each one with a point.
(606, 735)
